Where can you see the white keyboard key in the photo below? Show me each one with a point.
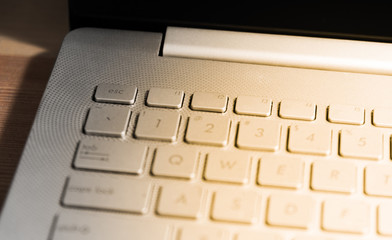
(342, 215)
(235, 206)
(208, 130)
(110, 156)
(158, 125)
(107, 193)
(82, 226)
(177, 162)
(256, 235)
(378, 180)
(382, 117)
(226, 166)
(210, 102)
(361, 144)
(346, 114)
(384, 219)
(281, 171)
(296, 109)
(164, 97)
(201, 233)
(251, 105)
(289, 210)
(107, 121)
(310, 139)
(180, 201)
(115, 93)
(258, 134)
(335, 176)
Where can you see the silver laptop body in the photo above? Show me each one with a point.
(208, 134)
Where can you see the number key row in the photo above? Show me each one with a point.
(253, 133)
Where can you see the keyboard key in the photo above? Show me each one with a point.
(250, 105)
(289, 210)
(107, 121)
(225, 166)
(201, 233)
(110, 156)
(378, 180)
(258, 134)
(107, 193)
(334, 176)
(158, 125)
(346, 114)
(235, 206)
(208, 130)
(164, 97)
(82, 226)
(175, 162)
(343, 215)
(180, 201)
(310, 139)
(256, 235)
(281, 171)
(299, 110)
(382, 117)
(361, 144)
(384, 223)
(210, 102)
(115, 93)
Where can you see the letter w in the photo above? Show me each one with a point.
(227, 164)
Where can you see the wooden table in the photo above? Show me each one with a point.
(31, 33)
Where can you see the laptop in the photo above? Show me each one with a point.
(237, 122)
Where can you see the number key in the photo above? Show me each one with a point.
(361, 144)
(209, 130)
(258, 134)
(310, 139)
(158, 125)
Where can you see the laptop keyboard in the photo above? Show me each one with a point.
(284, 169)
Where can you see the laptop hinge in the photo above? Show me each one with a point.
(281, 50)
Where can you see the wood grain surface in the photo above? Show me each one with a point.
(31, 33)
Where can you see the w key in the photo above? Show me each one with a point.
(226, 166)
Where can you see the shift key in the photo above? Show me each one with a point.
(100, 226)
(110, 193)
